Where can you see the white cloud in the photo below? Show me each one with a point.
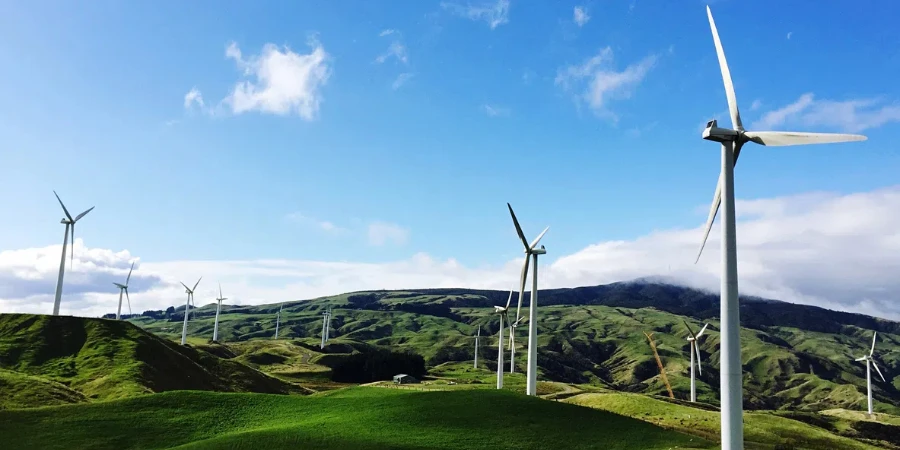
(323, 225)
(397, 50)
(756, 105)
(580, 16)
(595, 82)
(381, 233)
(284, 82)
(789, 34)
(401, 80)
(193, 96)
(494, 14)
(494, 110)
(850, 115)
(387, 32)
(837, 251)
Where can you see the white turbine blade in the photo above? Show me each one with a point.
(509, 300)
(701, 331)
(72, 262)
(185, 286)
(518, 228)
(717, 200)
(119, 285)
(129, 300)
(879, 371)
(534, 243)
(69, 216)
(129, 273)
(697, 352)
(861, 359)
(781, 138)
(220, 290)
(690, 331)
(478, 334)
(195, 284)
(83, 214)
(874, 335)
(726, 76)
(523, 279)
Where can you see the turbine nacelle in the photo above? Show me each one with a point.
(539, 251)
(714, 133)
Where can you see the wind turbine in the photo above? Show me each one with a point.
(123, 288)
(278, 320)
(325, 316)
(531, 250)
(504, 316)
(69, 222)
(187, 305)
(477, 337)
(870, 362)
(218, 309)
(692, 340)
(731, 142)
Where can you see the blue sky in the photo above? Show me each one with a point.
(495, 107)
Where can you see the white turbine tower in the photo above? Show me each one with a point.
(278, 319)
(504, 316)
(69, 222)
(219, 301)
(187, 305)
(692, 340)
(731, 141)
(870, 362)
(530, 251)
(477, 337)
(325, 317)
(123, 288)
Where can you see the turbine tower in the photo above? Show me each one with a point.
(731, 142)
(278, 319)
(123, 288)
(692, 340)
(187, 305)
(870, 362)
(531, 250)
(504, 316)
(69, 222)
(219, 301)
(477, 337)
(325, 318)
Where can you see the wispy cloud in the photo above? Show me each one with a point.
(397, 50)
(494, 110)
(851, 116)
(789, 34)
(321, 225)
(595, 81)
(756, 105)
(580, 16)
(193, 97)
(401, 80)
(494, 14)
(387, 32)
(381, 233)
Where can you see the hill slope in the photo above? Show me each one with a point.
(795, 357)
(80, 359)
(359, 418)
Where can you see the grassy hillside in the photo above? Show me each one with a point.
(789, 361)
(57, 359)
(359, 418)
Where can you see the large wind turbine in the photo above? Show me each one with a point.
(692, 340)
(278, 319)
(870, 362)
(477, 337)
(187, 305)
(218, 309)
(531, 250)
(69, 222)
(325, 319)
(731, 141)
(123, 288)
(504, 316)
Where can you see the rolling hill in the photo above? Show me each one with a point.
(795, 357)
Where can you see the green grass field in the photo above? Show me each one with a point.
(358, 418)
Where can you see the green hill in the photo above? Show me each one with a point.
(358, 418)
(59, 359)
(795, 357)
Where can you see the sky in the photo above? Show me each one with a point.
(297, 149)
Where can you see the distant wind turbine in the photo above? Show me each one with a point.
(870, 362)
(123, 288)
(218, 309)
(278, 319)
(477, 337)
(692, 339)
(69, 222)
(504, 316)
(187, 310)
(326, 315)
(531, 251)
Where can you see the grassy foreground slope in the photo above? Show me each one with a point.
(68, 359)
(358, 418)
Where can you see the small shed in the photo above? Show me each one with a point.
(404, 379)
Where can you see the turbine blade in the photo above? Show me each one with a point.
(523, 279)
(701, 331)
(697, 352)
(782, 138)
(690, 331)
(518, 228)
(726, 76)
(879, 371)
(129, 301)
(83, 214)
(69, 216)
(185, 286)
(713, 210)
(220, 290)
(874, 335)
(129, 273)
(72, 262)
(860, 359)
(509, 300)
(534, 243)
(195, 284)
